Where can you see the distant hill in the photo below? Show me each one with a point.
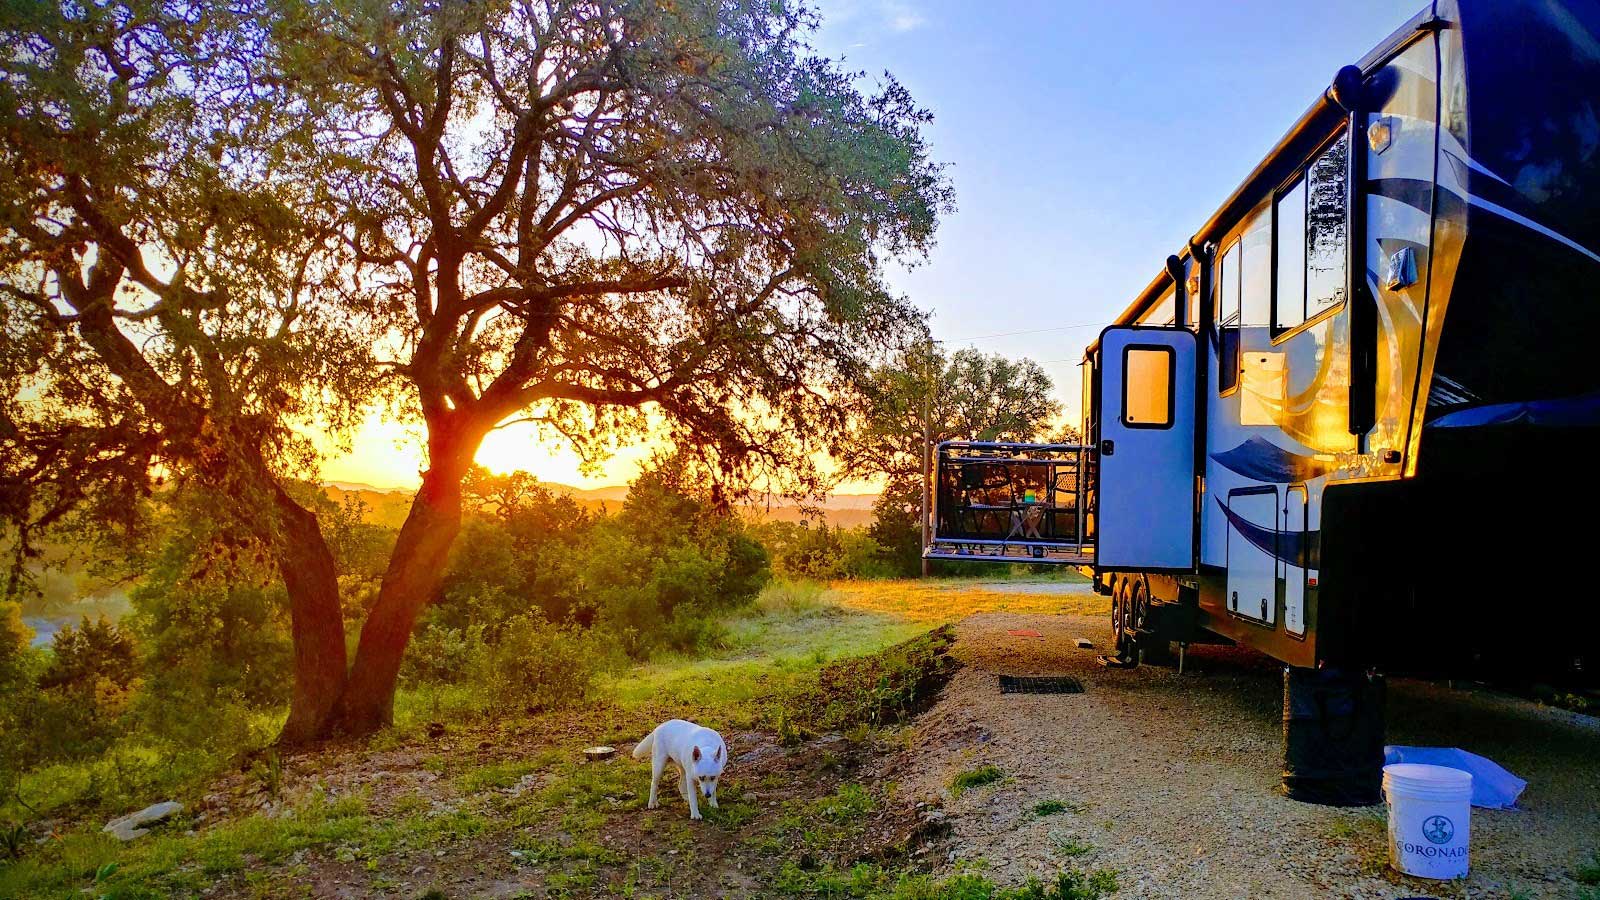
(389, 507)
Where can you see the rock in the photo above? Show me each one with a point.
(132, 825)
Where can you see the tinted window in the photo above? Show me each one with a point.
(1310, 241)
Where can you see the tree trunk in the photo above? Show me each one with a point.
(415, 571)
(316, 621)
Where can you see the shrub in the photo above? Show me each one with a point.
(664, 567)
(440, 654)
(537, 665)
(823, 553)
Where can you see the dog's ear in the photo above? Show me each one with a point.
(717, 754)
(697, 754)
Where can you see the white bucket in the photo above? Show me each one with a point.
(1430, 819)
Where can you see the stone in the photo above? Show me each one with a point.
(130, 826)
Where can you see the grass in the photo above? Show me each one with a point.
(1067, 845)
(876, 690)
(973, 778)
(935, 602)
(873, 882)
(1588, 871)
(1048, 808)
(850, 656)
(851, 801)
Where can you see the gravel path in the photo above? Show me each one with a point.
(1172, 780)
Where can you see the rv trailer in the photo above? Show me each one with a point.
(1350, 424)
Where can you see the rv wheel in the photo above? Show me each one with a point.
(1122, 617)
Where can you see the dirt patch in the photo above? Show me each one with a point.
(885, 688)
(1172, 780)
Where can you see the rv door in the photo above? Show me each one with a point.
(1147, 478)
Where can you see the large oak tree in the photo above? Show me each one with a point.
(591, 215)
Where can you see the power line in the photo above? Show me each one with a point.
(985, 337)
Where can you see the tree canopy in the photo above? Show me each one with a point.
(967, 395)
(225, 224)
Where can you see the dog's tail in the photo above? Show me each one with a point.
(643, 748)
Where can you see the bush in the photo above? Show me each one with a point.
(440, 654)
(537, 665)
(661, 570)
(824, 553)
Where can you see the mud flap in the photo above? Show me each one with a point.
(1333, 736)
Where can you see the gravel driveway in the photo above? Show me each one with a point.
(1172, 780)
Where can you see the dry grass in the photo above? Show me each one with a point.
(935, 602)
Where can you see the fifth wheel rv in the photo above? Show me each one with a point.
(1351, 424)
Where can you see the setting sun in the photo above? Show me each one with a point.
(389, 454)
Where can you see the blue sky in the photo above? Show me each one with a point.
(1088, 140)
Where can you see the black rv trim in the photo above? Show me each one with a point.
(1349, 90)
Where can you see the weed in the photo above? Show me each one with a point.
(851, 801)
(13, 841)
(1588, 871)
(1067, 845)
(268, 772)
(496, 775)
(1048, 808)
(790, 734)
(973, 778)
(730, 815)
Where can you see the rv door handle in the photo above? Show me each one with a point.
(1108, 447)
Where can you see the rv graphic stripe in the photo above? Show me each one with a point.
(1262, 460)
(1297, 548)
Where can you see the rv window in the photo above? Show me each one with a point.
(1325, 224)
(1147, 386)
(1289, 301)
(1228, 315)
(1310, 221)
(1255, 274)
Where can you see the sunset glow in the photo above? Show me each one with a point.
(386, 453)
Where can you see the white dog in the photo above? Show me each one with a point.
(698, 752)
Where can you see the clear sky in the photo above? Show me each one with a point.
(1086, 142)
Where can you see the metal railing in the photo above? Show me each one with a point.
(1005, 502)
